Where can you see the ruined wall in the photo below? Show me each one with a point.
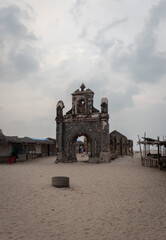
(83, 120)
(120, 145)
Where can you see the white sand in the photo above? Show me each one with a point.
(119, 200)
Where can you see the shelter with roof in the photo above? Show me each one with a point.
(153, 152)
(25, 148)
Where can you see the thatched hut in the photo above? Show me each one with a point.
(153, 153)
(25, 148)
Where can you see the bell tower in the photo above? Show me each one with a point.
(82, 101)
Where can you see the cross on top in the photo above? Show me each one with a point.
(82, 87)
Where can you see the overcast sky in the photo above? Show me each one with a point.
(116, 47)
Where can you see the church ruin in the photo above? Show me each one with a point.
(83, 120)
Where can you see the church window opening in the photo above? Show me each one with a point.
(81, 106)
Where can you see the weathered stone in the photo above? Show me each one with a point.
(83, 120)
(60, 182)
(120, 145)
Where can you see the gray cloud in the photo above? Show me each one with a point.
(83, 33)
(112, 25)
(90, 58)
(25, 61)
(76, 9)
(142, 60)
(11, 25)
(131, 121)
(44, 123)
(103, 39)
(123, 100)
(157, 13)
(17, 55)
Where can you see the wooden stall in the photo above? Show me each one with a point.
(152, 152)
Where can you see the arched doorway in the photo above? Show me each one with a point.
(82, 143)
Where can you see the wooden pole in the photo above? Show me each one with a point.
(158, 153)
(140, 149)
(144, 145)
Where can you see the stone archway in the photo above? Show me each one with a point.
(83, 119)
(86, 144)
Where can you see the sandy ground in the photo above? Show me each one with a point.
(118, 200)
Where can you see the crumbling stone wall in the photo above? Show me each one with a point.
(120, 145)
(83, 120)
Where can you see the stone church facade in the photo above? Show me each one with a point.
(83, 120)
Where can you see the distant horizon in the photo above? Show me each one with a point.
(81, 138)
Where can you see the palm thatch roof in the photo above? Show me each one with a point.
(24, 140)
(151, 141)
(15, 139)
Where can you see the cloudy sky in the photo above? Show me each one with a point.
(116, 47)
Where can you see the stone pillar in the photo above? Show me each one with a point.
(59, 141)
(89, 148)
(105, 143)
(93, 148)
(67, 149)
(105, 138)
(59, 131)
(73, 152)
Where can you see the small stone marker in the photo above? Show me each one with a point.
(60, 182)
